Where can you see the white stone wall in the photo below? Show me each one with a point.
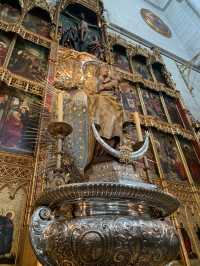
(186, 24)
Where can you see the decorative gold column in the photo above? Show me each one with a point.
(138, 126)
(27, 258)
(189, 176)
(164, 183)
(192, 233)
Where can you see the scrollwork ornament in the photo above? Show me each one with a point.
(109, 240)
(13, 173)
(40, 221)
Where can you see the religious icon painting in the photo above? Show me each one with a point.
(155, 22)
(173, 110)
(29, 60)
(169, 156)
(152, 164)
(5, 40)
(38, 21)
(188, 242)
(159, 74)
(19, 118)
(6, 237)
(153, 104)
(11, 215)
(120, 57)
(191, 158)
(9, 13)
(129, 97)
(140, 66)
(148, 170)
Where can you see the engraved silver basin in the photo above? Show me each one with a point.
(101, 224)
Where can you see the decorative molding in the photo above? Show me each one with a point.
(182, 191)
(27, 5)
(155, 86)
(25, 34)
(21, 83)
(15, 172)
(90, 4)
(174, 129)
(140, 40)
(152, 56)
(106, 190)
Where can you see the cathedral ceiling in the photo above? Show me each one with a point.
(160, 4)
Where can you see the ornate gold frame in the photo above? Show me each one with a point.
(187, 192)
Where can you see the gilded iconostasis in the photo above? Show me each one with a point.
(47, 46)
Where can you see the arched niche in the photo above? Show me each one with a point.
(10, 11)
(38, 21)
(139, 63)
(158, 69)
(80, 30)
(120, 57)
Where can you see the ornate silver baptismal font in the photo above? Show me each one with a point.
(103, 223)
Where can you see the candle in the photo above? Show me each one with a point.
(60, 107)
(138, 126)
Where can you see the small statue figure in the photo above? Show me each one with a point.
(60, 33)
(70, 38)
(52, 31)
(83, 28)
(107, 83)
(94, 47)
